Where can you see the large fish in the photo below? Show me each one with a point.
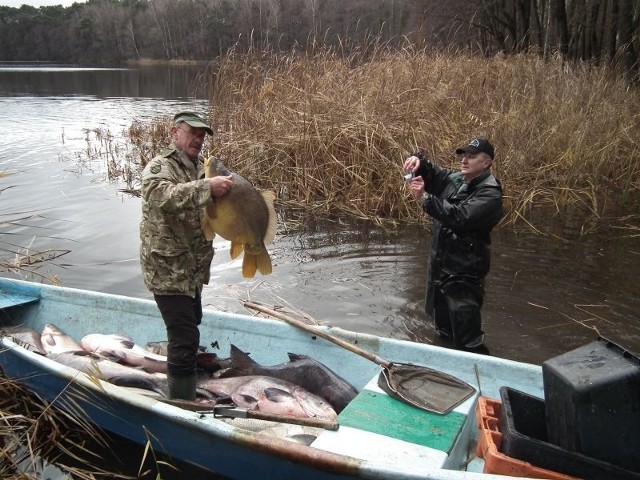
(112, 372)
(25, 337)
(270, 395)
(55, 340)
(300, 370)
(124, 350)
(244, 216)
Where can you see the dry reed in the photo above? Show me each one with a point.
(330, 131)
(34, 433)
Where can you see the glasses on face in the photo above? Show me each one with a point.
(194, 132)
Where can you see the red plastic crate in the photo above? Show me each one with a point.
(488, 413)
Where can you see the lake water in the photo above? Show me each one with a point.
(544, 295)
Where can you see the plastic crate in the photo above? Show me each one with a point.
(488, 412)
(524, 436)
(592, 397)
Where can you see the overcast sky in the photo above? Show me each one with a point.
(38, 3)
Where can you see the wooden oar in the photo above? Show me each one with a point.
(320, 333)
(419, 386)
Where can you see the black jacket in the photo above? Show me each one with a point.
(463, 217)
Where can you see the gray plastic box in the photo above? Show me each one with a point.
(592, 397)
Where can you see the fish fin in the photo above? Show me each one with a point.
(124, 381)
(295, 357)
(263, 262)
(244, 400)
(269, 197)
(126, 343)
(153, 365)
(236, 250)
(241, 360)
(85, 353)
(276, 394)
(249, 265)
(202, 393)
(230, 372)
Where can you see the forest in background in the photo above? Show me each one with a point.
(115, 31)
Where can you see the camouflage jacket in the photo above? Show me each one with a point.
(174, 254)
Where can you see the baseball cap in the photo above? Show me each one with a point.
(192, 119)
(477, 145)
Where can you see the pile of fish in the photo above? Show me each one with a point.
(301, 387)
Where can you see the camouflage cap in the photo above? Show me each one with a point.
(192, 119)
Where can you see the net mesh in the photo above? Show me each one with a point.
(424, 387)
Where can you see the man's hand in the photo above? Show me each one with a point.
(220, 185)
(411, 164)
(416, 185)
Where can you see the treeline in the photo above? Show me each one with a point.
(120, 30)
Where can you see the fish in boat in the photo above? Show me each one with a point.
(207, 361)
(245, 216)
(110, 371)
(269, 394)
(55, 340)
(26, 337)
(266, 394)
(300, 370)
(124, 350)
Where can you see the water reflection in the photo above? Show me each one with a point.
(152, 81)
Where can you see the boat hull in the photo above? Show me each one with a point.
(206, 442)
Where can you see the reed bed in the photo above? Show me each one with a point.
(34, 435)
(329, 131)
(55, 440)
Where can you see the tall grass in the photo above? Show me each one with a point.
(330, 131)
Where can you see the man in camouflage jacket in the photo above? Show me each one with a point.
(464, 205)
(175, 256)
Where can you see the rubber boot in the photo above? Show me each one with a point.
(183, 387)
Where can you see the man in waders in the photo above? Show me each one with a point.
(465, 205)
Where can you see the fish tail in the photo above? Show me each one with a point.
(263, 261)
(249, 265)
(252, 263)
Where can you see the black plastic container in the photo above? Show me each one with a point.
(592, 397)
(524, 436)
